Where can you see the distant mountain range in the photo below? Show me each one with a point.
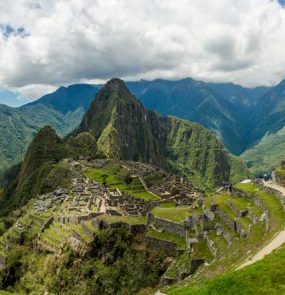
(239, 116)
(117, 126)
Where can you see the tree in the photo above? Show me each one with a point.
(128, 179)
(104, 178)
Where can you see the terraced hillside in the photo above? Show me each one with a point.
(258, 215)
(115, 213)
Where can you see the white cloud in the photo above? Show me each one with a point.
(68, 41)
(32, 92)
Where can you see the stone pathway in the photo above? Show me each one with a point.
(277, 241)
(274, 186)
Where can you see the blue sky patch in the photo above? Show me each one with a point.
(8, 31)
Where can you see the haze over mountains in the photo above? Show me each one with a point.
(239, 116)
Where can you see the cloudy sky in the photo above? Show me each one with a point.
(48, 43)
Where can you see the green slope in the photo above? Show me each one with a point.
(18, 126)
(266, 155)
(124, 129)
(45, 151)
(264, 277)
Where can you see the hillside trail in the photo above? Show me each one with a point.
(277, 241)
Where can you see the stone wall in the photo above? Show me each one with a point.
(240, 193)
(133, 228)
(227, 220)
(280, 178)
(171, 227)
(46, 224)
(88, 231)
(161, 245)
(78, 246)
(274, 192)
(234, 224)
(238, 212)
(211, 246)
(252, 217)
(220, 231)
(76, 219)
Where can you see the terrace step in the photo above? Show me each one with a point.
(53, 236)
(55, 228)
(201, 250)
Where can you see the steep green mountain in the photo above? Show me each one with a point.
(268, 133)
(46, 149)
(116, 125)
(63, 110)
(269, 115)
(237, 95)
(68, 99)
(211, 105)
(124, 129)
(266, 155)
(121, 125)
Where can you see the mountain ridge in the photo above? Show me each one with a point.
(116, 125)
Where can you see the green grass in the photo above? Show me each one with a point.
(90, 226)
(135, 188)
(248, 187)
(78, 229)
(276, 213)
(220, 242)
(126, 219)
(264, 277)
(167, 237)
(45, 237)
(280, 171)
(57, 228)
(181, 263)
(201, 250)
(243, 203)
(54, 235)
(267, 154)
(167, 205)
(177, 214)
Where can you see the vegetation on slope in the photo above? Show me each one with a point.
(115, 178)
(45, 151)
(264, 277)
(266, 154)
(117, 264)
(211, 105)
(62, 109)
(125, 130)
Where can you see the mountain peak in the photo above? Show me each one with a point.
(115, 88)
(116, 82)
